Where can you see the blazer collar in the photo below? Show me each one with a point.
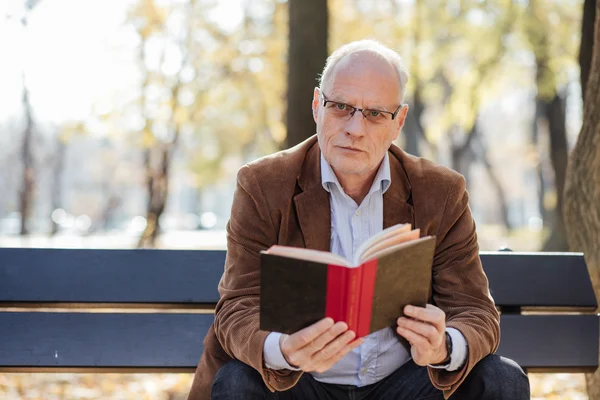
(397, 201)
(312, 204)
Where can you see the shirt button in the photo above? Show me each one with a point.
(358, 212)
(363, 371)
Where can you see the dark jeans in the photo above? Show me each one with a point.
(493, 378)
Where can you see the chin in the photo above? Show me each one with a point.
(349, 168)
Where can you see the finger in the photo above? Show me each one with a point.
(305, 355)
(325, 338)
(333, 348)
(414, 338)
(304, 336)
(424, 329)
(332, 361)
(431, 314)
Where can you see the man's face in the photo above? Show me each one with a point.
(354, 146)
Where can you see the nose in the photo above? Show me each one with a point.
(355, 126)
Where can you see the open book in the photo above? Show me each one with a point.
(389, 271)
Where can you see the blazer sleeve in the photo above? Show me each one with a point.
(250, 229)
(461, 289)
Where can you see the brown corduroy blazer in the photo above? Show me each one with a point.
(279, 199)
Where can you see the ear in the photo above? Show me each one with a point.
(315, 103)
(400, 119)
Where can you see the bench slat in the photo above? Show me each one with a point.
(174, 341)
(188, 276)
(102, 340)
(110, 276)
(551, 342)
(539, 280)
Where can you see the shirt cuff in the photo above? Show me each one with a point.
(272, 353)
(459, 351)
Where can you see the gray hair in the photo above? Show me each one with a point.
(370, 45)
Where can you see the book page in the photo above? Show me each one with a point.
(381, 236)
(378, 248)
(324, 257)
(390, 249)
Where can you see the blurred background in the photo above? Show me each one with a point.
(123, 122)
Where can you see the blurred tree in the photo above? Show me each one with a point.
(550, 111)
(452, 75)
(58, 169)
(208, 85)
(582, 189)
(308, 24)
(27, 192)
(413, 128)
(161, 135)
(56, 161)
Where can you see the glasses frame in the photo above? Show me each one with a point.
(362, 110)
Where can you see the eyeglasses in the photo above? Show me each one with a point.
(346, 111)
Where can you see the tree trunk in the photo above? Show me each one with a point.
(462, 155)
(157, 163)
(582, 189)
(58, 169)
(539, 170)
(307, 53)
(587, 42)
(28, 184)
(411, 135)
(550, 114)
(413, 129)
(158, 156)
(555, 115)
(494, 181)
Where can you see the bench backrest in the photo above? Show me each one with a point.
(148, 310)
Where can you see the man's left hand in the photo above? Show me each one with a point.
(425, 330)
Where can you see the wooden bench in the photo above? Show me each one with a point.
(148, 310)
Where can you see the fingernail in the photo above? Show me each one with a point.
(342, 326)
(408, 309)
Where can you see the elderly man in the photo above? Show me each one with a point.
(332, 192)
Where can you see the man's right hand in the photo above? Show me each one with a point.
(319, 346)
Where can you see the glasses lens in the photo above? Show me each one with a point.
(376, 116)
(338, 110)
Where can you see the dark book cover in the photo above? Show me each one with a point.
(296, 293)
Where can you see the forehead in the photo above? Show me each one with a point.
(365, 77)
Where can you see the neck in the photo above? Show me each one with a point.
(357, 186)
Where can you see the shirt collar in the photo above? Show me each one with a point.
(382, 180)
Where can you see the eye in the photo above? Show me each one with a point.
(340, 106)
(374, 113)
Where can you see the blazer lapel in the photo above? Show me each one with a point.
(312, 204)
(397, 207)
(314, 216)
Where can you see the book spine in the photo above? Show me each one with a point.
(365, 303)
(335, 298)
(352, 298)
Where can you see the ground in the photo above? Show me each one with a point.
(176, 386)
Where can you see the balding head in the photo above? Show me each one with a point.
(366, 51)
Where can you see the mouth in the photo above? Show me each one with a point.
(350, 148)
